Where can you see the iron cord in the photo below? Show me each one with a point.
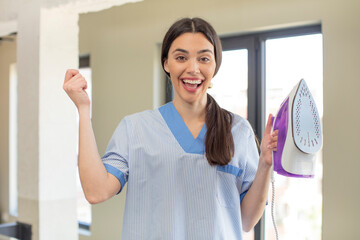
(273, 205)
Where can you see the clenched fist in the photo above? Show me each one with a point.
(75, 86)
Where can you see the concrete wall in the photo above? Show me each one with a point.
(123, 42)
(7, 57)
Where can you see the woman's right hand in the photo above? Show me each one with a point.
(75, 86)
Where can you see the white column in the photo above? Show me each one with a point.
(47, 134)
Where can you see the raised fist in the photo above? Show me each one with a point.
(75, 86)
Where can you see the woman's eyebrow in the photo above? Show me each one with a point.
(180, 50)
(185, 51)
(205, 50)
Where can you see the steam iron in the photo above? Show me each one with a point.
(300, 134)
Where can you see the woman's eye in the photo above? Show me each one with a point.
(204, 59)
(180, 58)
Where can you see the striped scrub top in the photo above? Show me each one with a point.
(173, 193)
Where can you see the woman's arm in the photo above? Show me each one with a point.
(97, 183)
(253, 204)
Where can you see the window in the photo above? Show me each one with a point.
(273, 62)
(298, 201)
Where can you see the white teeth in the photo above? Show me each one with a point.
(192, 81)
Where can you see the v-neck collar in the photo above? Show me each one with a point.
(181, 132)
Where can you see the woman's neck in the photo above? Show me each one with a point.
(190, 112)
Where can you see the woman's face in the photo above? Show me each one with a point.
(191, 65)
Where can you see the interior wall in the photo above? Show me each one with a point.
(7, 57)
(122, 44)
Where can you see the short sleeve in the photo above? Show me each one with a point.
(116, 155)
(252, 159)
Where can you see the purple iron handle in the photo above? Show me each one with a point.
(280, 123)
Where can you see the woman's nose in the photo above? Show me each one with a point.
(193, 67)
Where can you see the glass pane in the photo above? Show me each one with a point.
(231, 82)
(298, 202)
(13, 144)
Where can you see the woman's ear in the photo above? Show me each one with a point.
(166, 66)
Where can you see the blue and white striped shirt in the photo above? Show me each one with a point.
(173, 192)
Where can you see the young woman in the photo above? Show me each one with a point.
(193, 168)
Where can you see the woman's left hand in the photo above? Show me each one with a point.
(268, 143)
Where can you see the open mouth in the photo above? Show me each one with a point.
(192, 84)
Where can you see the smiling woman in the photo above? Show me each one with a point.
(193, 164)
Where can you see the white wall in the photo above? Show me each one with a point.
(7, 57)
(122, 43)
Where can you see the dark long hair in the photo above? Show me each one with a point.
(219, 143)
